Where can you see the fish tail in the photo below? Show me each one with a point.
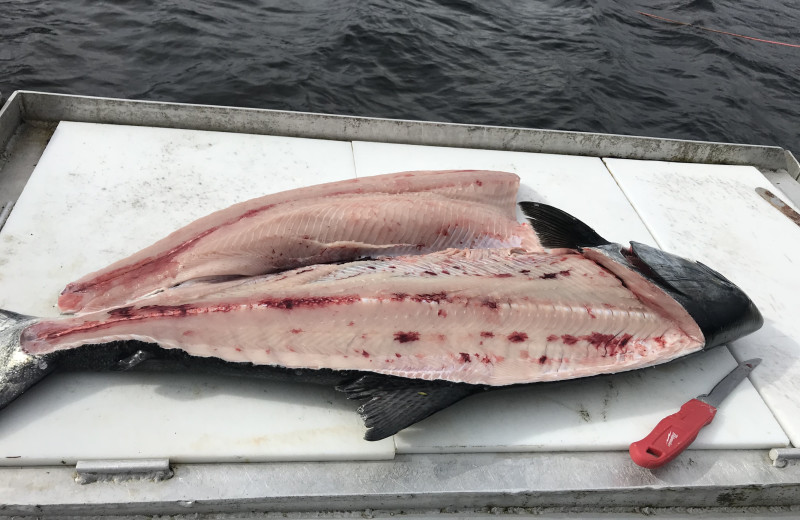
(18, 369)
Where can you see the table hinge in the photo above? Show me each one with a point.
(119, 470)
(781, 456)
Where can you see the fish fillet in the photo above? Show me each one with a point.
(386, 215)
(490, 317)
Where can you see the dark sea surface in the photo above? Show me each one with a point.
(561, 64)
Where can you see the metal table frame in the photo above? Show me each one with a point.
(432, 482)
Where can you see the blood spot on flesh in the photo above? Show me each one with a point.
(442, 313)
(406, 337)
(445, 271)
(553, 276)
(525, 271)
(517, 337)
(465, 358)
(351, 324)
(490, 304)
(552, 337)
(589, 312)
(542, 360)
(441, 337)
(430, 297)
(297, 331)
(487, 334)
(430, 273)
(479, 183)
(188, 332)
(660, 341)
(365, 353)
(398, 297)
(569, 339)
(397, 355)
(503, 275)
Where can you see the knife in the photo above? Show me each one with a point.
(676, 432)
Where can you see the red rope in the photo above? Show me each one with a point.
(718, 31)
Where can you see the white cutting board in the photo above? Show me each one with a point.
(714, 214)
(98, 194)
(101, 192)
(599, 414)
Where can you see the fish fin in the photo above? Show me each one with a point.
(558, 229)
(394, 403)
(18, 370)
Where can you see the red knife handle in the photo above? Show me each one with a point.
(672, 435)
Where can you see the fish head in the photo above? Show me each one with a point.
(719, 307)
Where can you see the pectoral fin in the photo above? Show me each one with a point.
(394, 403)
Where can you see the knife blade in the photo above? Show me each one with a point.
(676, 432)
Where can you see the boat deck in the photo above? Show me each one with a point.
(104, 178)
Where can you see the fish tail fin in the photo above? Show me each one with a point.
(558, 229)
(18, 369)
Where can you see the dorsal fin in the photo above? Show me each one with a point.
(394, 403)
(558, 229)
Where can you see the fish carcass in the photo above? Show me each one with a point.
(385, 215)
(413, 334)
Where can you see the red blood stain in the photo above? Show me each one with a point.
(445, 271)
(485, 360)
(487, 334)
(465, 358)
(351, 324)
(503, 275)
(307, 302)
(552, 337)
(517, 337)
(430, 273)
(397, 355)
(489, 303)
(392, 267)
(569, 339)
(552, 276)
(479, 183)
(441, 337)
(238, 349)
(589, 312)
(442, 313)
(430, 297)
(542, 360)
(525, 271)
(188, 332)
(297, 331)
(399, 296)
(660, 341)
(406, 337)
(365, 353)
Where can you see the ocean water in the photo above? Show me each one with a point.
(581, 65)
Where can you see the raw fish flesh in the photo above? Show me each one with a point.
(413, 334)
(386, 215)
